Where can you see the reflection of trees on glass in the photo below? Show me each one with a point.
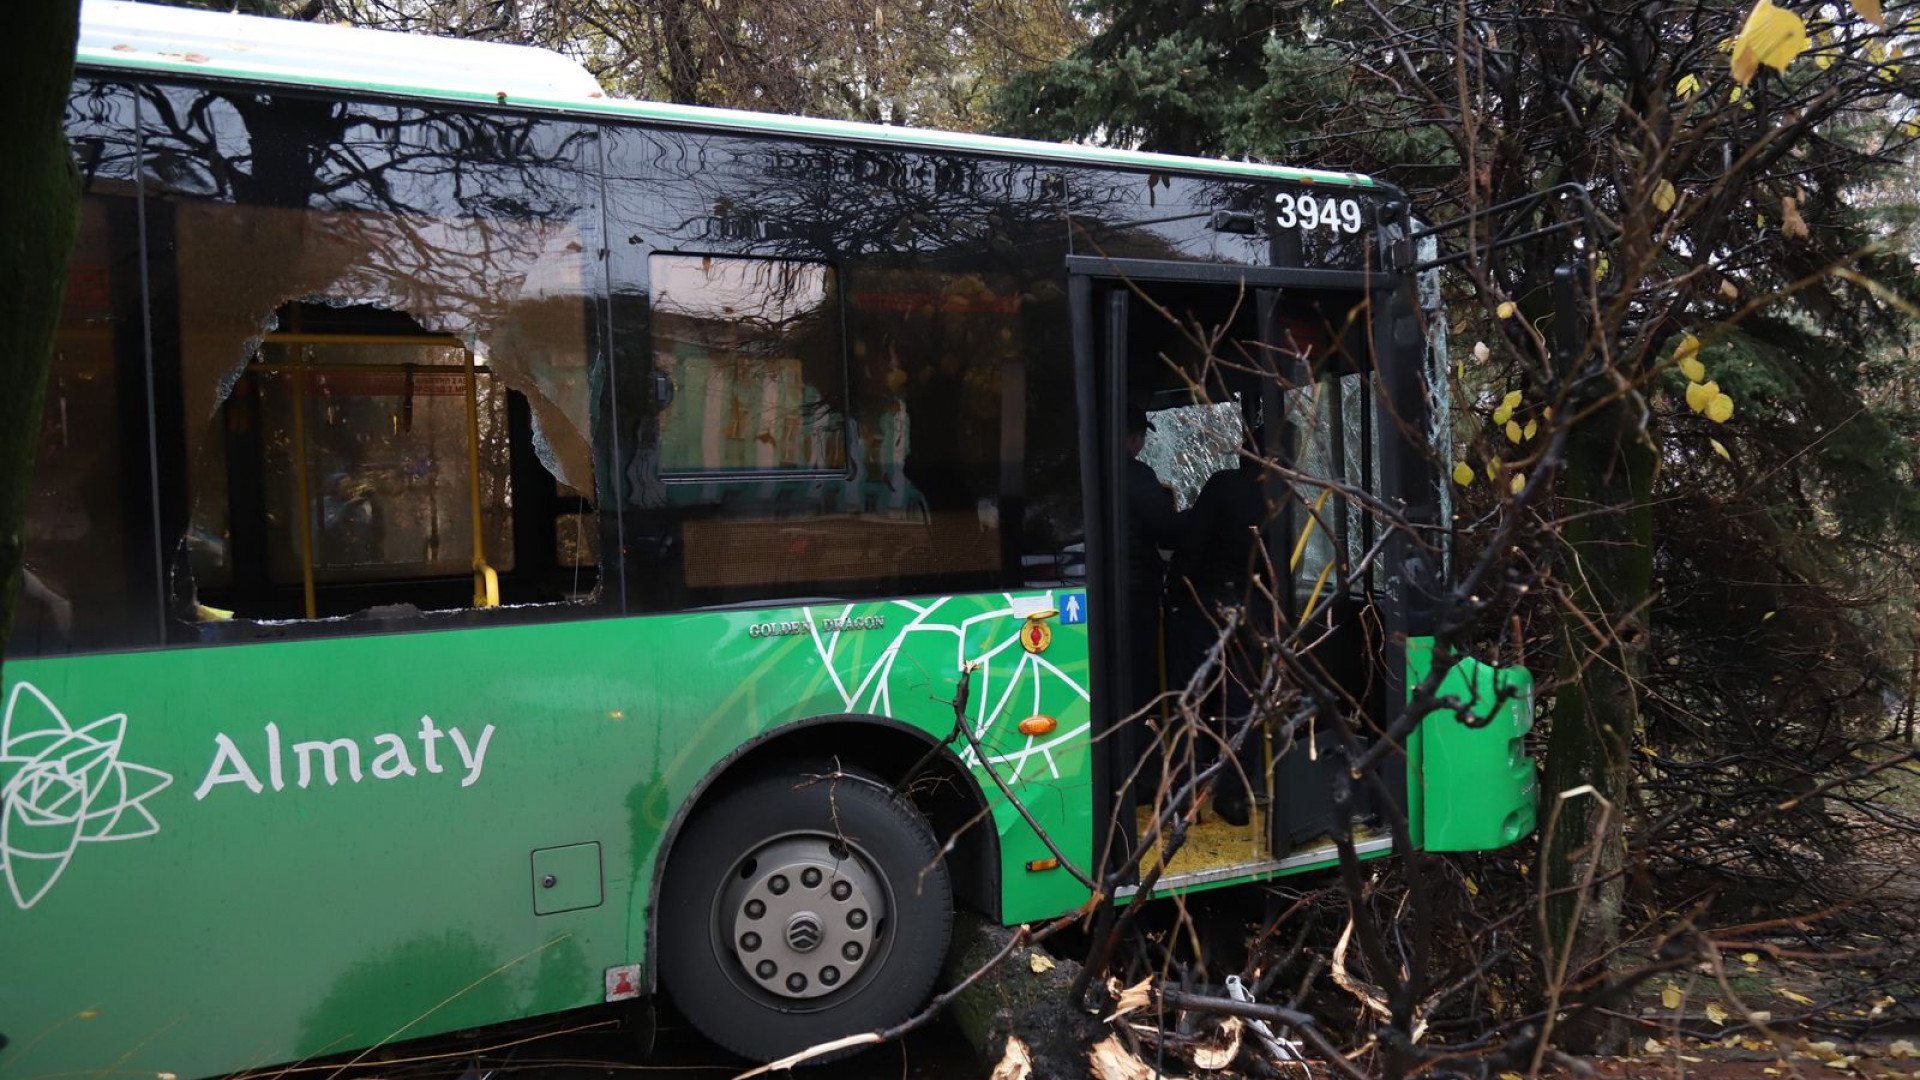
(85, 571)
(958, 387)
(382, 322)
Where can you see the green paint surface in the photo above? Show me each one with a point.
(161, 915)
(181, 922)
(1472, 786)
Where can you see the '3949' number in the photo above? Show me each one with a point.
(1291, 211)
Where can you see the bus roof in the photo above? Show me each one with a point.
(149, 37)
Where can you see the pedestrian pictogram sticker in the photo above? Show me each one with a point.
(1073, 609)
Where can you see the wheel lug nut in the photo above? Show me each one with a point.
(777, 884)
(796, 982)
(842, 890)
(829, 975)
(755, 909)
(766, 969)
(749, 941)
(851, 950)
(810, 877)
(856, 918)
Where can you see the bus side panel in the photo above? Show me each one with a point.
(1477, 786)
(220, 858)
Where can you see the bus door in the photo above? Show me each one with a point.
(1199, 552)
(1329, 440)
(1175, 414)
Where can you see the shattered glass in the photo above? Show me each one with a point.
(1187, 444)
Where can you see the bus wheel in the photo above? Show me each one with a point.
(799, 909)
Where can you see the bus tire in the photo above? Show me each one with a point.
(801, 908)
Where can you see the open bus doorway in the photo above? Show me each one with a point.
(1230, 421)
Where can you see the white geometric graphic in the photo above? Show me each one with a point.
(60, 788)
(1008, 682)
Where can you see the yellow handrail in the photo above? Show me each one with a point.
(361, 369)
(1313, 519)
(302, 491)
(486, 583)
(282, 337)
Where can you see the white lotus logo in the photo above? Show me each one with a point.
(60, 788)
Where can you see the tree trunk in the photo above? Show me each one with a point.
(1609, 575)
(39, 215)
(1014, 1000)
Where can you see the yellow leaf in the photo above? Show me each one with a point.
(1693, 369)
(1519, 481)
(1039, 962)
(1687, 86)
(1601, 267)
(1823, 61)
(1697, 397)
(1719, 449)
(1505, 310)
(1532, 429)
(1791, 222)
(1720, 409)
(1512, 400)
(1472, 889)
(1772, 36)
(1513, 432)
(1910, 129)
(1670, 996)
(1764, 618)
(1503, 414)
(1797, 999)
(1716, 1013)
(1664, 196)
(1870, 11)
(1463, 474)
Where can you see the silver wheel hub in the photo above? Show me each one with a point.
(805, 914)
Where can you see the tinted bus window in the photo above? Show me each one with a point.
(872, 394)
(89, 580)
(381, 323)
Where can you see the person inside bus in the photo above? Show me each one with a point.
(1214, 563)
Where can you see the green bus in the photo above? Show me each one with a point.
(497, 549)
